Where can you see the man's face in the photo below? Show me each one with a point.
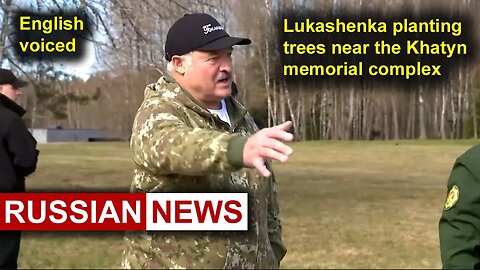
(210, 74)
(11, 92)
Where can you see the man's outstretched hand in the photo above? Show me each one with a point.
(268, 143)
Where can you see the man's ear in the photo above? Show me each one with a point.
(178, 64)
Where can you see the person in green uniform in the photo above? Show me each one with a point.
(459, 226)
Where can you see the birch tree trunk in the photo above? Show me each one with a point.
(421, 114)
(443, 113)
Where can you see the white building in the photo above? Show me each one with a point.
(47, 135)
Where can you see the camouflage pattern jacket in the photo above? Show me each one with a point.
(179, 146)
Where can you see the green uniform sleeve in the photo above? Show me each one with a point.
(274, 221)
(164, 144)
(459, 226)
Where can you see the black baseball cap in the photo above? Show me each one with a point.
(7, 77)
(198, 31)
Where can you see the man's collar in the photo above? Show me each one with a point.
(234, 108)
(11, 105)
(184, 96)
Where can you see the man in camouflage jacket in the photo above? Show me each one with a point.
(182, 142)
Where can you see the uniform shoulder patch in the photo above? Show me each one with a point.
(452, 197)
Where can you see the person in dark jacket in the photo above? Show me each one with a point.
(18, 157)
(459, 225)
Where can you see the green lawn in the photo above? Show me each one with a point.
(343, 204)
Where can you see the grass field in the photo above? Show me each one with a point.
(343, 204)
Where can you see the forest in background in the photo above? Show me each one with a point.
(130, 55)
